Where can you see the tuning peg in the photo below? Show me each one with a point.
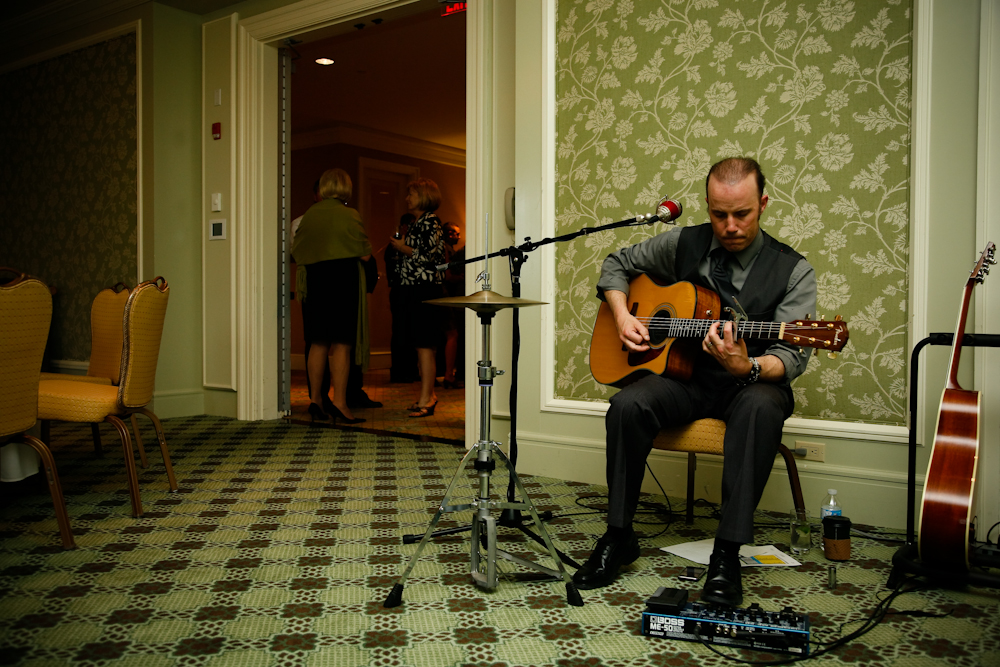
(838, 318)
(816, 352)
(808, 316)
(831, 355)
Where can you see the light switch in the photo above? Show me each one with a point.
(218, 97)
(216, 201)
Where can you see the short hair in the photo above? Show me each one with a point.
(335, 184)
(732, 170)
(428, 194)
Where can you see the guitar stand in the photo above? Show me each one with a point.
(906, 560)
(483, 542)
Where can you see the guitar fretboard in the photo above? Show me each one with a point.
(690, 328)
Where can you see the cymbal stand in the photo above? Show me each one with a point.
(483, 543)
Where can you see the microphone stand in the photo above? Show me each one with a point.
(517, 256)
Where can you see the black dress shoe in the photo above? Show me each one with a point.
(724, 584)
(362, 401)
(608, 556)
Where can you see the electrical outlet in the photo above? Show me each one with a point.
(815, 451)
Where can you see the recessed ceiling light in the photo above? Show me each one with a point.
(324, 61)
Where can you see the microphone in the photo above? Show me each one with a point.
(667, 210)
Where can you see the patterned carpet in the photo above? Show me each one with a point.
(284, 540)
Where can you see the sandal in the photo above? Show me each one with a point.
(423, 411)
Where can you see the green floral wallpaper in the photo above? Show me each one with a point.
(68, 180)
(651, 92)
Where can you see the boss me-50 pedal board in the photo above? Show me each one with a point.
(669, 615)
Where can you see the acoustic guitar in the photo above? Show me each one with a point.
(946, 508)
(678, 317)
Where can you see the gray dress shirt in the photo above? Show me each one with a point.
(656, 256)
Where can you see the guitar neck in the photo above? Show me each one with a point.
(689, 328)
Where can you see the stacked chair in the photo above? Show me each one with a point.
(75, 399)
(25, 316)
(106, 315)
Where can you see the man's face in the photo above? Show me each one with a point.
(452, 236)
(734, 211)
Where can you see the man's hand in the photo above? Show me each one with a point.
(731, 353)
(631, 331)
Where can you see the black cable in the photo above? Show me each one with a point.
(990, 531)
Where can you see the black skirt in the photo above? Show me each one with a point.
(423, 322)
(330, 311)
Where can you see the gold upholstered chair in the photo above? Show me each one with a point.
(107, 313)
(705, 436)
(75, 401)
(25, 315)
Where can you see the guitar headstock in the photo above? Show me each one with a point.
(982, 268)
(821, 334)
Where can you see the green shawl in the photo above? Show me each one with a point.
(331, 230)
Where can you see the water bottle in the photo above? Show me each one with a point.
(830, 506)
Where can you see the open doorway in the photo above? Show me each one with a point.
(389, 108)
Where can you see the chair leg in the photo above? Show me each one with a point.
(55, 489)
(163, 446)
(130, 470)
(692, 465)
(793, 477)
(95, 430)
(138, 442)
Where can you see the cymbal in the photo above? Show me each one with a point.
(484, 301)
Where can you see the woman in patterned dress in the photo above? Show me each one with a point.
(422, 249)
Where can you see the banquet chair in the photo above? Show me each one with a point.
(86, 402)
(25, 315)
(107, 313)
(706, 436)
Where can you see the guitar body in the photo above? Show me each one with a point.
(946, 509)
(612, 364)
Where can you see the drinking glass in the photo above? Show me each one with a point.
(800, 531)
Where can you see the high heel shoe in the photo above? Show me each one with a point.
(317, 413)
(338, 415)
(423, 411)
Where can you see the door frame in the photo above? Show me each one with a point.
(256, 204)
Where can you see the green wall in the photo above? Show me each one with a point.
(176, 159)
(68, 181)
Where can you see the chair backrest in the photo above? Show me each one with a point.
(107, 315)
(25, 315)
(144, 313)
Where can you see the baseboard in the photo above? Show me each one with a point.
(178, 403)
(68, 366)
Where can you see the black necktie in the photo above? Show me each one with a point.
(720, 274)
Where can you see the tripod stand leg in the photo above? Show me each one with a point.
(572, 594)
(395, 596)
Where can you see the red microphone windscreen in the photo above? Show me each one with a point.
(669, 209)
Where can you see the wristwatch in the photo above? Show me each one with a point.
(754, 373)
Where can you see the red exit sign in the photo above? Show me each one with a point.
(454, 8)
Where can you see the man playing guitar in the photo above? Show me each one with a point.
(744, 383)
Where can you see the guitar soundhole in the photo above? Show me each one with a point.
(658, 327)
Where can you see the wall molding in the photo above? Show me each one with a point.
(919, 245)
(255, 211)
(920, 188)
(378, 140)
(988, 228)
(69, 366)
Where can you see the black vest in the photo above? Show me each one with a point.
(765, 285)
